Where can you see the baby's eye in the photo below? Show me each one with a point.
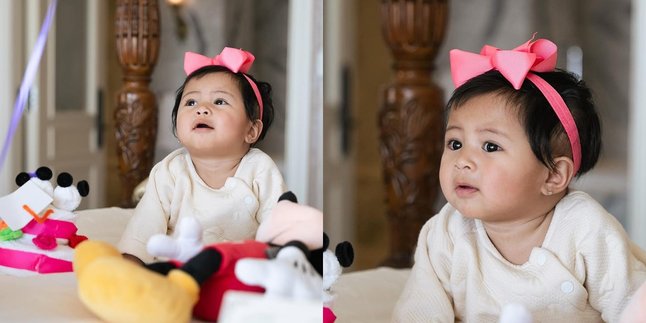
(219, 102)
(490, 147)
(190, 103)
(454, 144)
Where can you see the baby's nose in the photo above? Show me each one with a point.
(464, 161)
(202, 111)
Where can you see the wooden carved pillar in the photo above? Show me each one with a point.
(137, 36)
(411, 121)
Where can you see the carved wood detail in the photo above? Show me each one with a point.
(411, 121)
(137, 39)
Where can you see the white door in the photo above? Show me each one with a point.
(63, 124)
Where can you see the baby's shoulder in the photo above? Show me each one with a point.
(578, 212)
(256, 155)
(256, 161)
(177, 163)
(450, 224)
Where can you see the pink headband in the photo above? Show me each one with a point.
(516, 65)
(236, 60)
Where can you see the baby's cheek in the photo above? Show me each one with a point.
(445, 177)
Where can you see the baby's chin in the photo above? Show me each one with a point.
(468, 208)
(215, 150)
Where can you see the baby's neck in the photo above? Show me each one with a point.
(516, 239)
(214, 171)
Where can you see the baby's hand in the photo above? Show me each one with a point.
(186, 245)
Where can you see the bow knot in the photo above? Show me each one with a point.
(237, 60)
(538, 56)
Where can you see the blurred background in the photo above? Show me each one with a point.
(597, 39)
(69, 122)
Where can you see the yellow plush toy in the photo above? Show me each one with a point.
(167, 298)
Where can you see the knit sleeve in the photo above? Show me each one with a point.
(268, 185)
(149, 217)
(615, 267)
(424, 298)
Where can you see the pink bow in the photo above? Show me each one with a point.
(237, 60)
(515, 65)
(537, 56)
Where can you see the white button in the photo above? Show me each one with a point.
(540, 259)
(231, 184)
(248, 200)
(567, 287)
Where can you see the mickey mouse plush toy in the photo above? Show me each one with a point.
(54, 223)
(343, 256)
(37, 229)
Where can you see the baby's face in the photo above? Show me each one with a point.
(488, 169)
(211, 118)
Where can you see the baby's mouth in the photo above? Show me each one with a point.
(202, 126)
(465, 190)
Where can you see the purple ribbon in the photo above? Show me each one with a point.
(27, 80)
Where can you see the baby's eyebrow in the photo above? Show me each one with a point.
(222, 91)
(187, 93)
(494, 131)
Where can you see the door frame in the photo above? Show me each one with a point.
(44, 123)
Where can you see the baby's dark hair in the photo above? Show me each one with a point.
(546, 135)
(248, 96)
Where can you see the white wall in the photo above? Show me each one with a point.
(303, 133)
(10, 63)
(340, 176)
(637, 134)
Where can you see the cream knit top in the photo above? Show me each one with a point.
(585, 271)
(232, 212)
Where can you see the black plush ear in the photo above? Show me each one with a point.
(44, 173)
(316, 259)
(22, 178)
(64, 179)
(288, 196)
(326, 241)
(298, 245)
(83, 187)
(345, 253)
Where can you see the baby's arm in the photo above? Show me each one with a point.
(424, 298)
(268, 185)
(149, 218)
(615, 268)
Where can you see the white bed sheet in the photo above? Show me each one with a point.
(368, 296)
(52, 297)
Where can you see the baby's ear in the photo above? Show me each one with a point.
(559, 177)
(254, 132)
